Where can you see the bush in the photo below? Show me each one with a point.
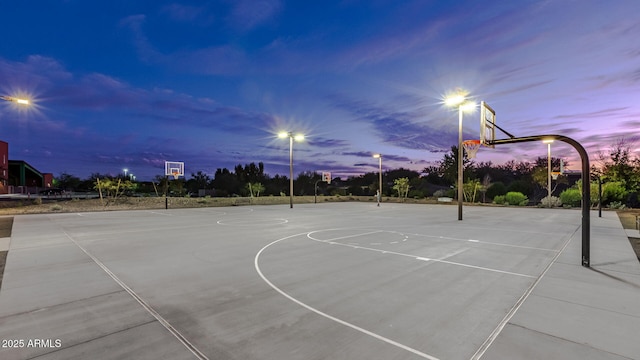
(440, 193)
(499, 199)
(516, 198)
(613, 192)
(521, 186)
(555, 201)
(571, 197)
(496, 189)
(632, 200)
(416, 194)
(616, 205)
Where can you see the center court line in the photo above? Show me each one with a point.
(418, 257)
(325, 315)
(143, 303)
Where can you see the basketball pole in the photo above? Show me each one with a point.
(586, 186)
(460, 163)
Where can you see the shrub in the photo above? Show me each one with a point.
(520, 186)
(496, 189)
(633, 201)
(616, 205)
(516, 198)
(440, 193)
(37, 201)
(613, 192)
(555, 201)
(499, 199)
(571, 197)
(416, 194)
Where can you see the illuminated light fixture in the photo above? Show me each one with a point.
(15, 99)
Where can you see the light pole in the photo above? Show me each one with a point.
(297, 137)
(548, 142)
(15, 100)
(459, 100)
(379, 157)
(125, 173)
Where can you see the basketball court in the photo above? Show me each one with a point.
(320, 281)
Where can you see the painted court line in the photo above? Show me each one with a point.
(418, 257)
(327, 316)
(143, 303)
(494, 335)
(486, 242)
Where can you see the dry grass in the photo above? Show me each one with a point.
(19, 207)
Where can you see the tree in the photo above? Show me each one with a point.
(112, 189)
(255, 189)
(470, 190)
(448, 166)
(621, 166)
(68, 182)
(401, 186)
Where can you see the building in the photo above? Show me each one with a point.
(17, 176)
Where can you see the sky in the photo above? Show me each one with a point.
(131, 84)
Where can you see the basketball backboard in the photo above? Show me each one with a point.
(487, 125)
(174, 168)
(326, 177)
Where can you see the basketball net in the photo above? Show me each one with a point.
(175, 175)
(471, 147)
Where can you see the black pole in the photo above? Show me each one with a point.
(315, 192)
(586, 187)
(166, 189)
(599, 196)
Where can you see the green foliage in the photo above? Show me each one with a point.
(613, 192)
(571, 197)
(616, 205)
(520, 186)
(496, 189)
(516, 198)
(255, 189)
(470, 190)
(401, 185)
(416, 194)
(113, 188)
(499, 199)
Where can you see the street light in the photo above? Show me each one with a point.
(297, 137)
(15, 100)
(459, 100)
(548, 142)
(125, 173)
(379, 157)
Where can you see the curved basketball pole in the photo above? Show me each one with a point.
(586, 190)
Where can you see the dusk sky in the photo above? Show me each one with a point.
(129, 84)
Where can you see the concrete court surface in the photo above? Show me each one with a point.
(319, 281)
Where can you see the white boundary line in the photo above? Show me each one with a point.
(144, 304)
(412, 256)
(494, 335)
(325, 315)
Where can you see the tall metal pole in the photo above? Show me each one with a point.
(549, 173)
(380, 180)
(460, 161)
(586, 187)
(290, 170)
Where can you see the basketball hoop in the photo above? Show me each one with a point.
(555, 174)
(175, 175)
(471, 147)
